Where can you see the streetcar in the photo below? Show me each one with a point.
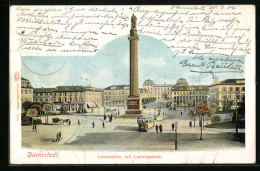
(145, 122)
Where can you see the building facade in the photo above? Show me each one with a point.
(43, 95)
(76, 98)
(184, 95)
(158, 91)
(229, 89)
(26, 90)
(116, 95)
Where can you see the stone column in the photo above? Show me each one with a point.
(133, 101)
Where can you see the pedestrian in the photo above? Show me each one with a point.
(190, 124)
(156, 128)
(60, 136)
(103, 124)
(172, 126)
(69, 122)
(35, 128)
(161, 128)
(181, 113)
(93, 124)
(78, 122)
(57, 137)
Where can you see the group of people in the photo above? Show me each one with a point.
(158, 128)
(110, 118)
(93, 124)
(34, 128)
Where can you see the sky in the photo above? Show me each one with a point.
(110, 66)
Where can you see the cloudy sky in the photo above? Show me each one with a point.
(110, 66)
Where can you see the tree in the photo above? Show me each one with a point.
(47, 108)
(32, 112)
(27, 105)
(202, 109)
(213, 106)
(38, 107)
(63, 109)
(215, 119)
(189, 102)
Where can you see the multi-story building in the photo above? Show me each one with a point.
(159, 91)
(43, 95)
(26, 90)
(184, 95)
(116, 95)
(76, 98)
(229, 89)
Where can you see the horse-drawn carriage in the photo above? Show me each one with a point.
(60, 121)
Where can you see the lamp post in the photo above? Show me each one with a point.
(176, 141)
(236, 121)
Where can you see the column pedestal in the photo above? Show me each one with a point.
(134, 105)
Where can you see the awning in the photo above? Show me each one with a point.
(91, 104)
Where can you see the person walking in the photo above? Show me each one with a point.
(181, 113)
(78, 122)
(57, 137)
(161, 128)
(93, 124)
(69, 122)
(190, 124)
(35, 128)
(156, 128)
(103, 124)
(172, 126)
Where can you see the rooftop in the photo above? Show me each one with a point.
(229, 81)
(42, 89)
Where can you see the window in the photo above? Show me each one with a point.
(231, 89)
(224, 89)
(243, 88)
(46, 100)
(25, 91)
(237, 88)
(65, 94)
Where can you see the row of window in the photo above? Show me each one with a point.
(116, 92)
(190, 97)
(115, 103)
(26, 91)
(232, 97)
(64, 99)
(190, 92)
(43, 94)
(43, 100)
(115, 98)
(24, 99)
(225, 89)
(160, 88)
(69, 93)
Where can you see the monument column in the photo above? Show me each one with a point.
(133, 101)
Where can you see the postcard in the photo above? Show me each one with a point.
(121, 84)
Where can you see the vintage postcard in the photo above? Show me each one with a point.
(171, 84)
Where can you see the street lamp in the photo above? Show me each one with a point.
(176, 142)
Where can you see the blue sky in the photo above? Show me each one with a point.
(110, 66)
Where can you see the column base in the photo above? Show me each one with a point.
(133, 111)
(134, 105)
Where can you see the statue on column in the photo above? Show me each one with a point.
(133, 21)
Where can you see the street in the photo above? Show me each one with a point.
(122, 134)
